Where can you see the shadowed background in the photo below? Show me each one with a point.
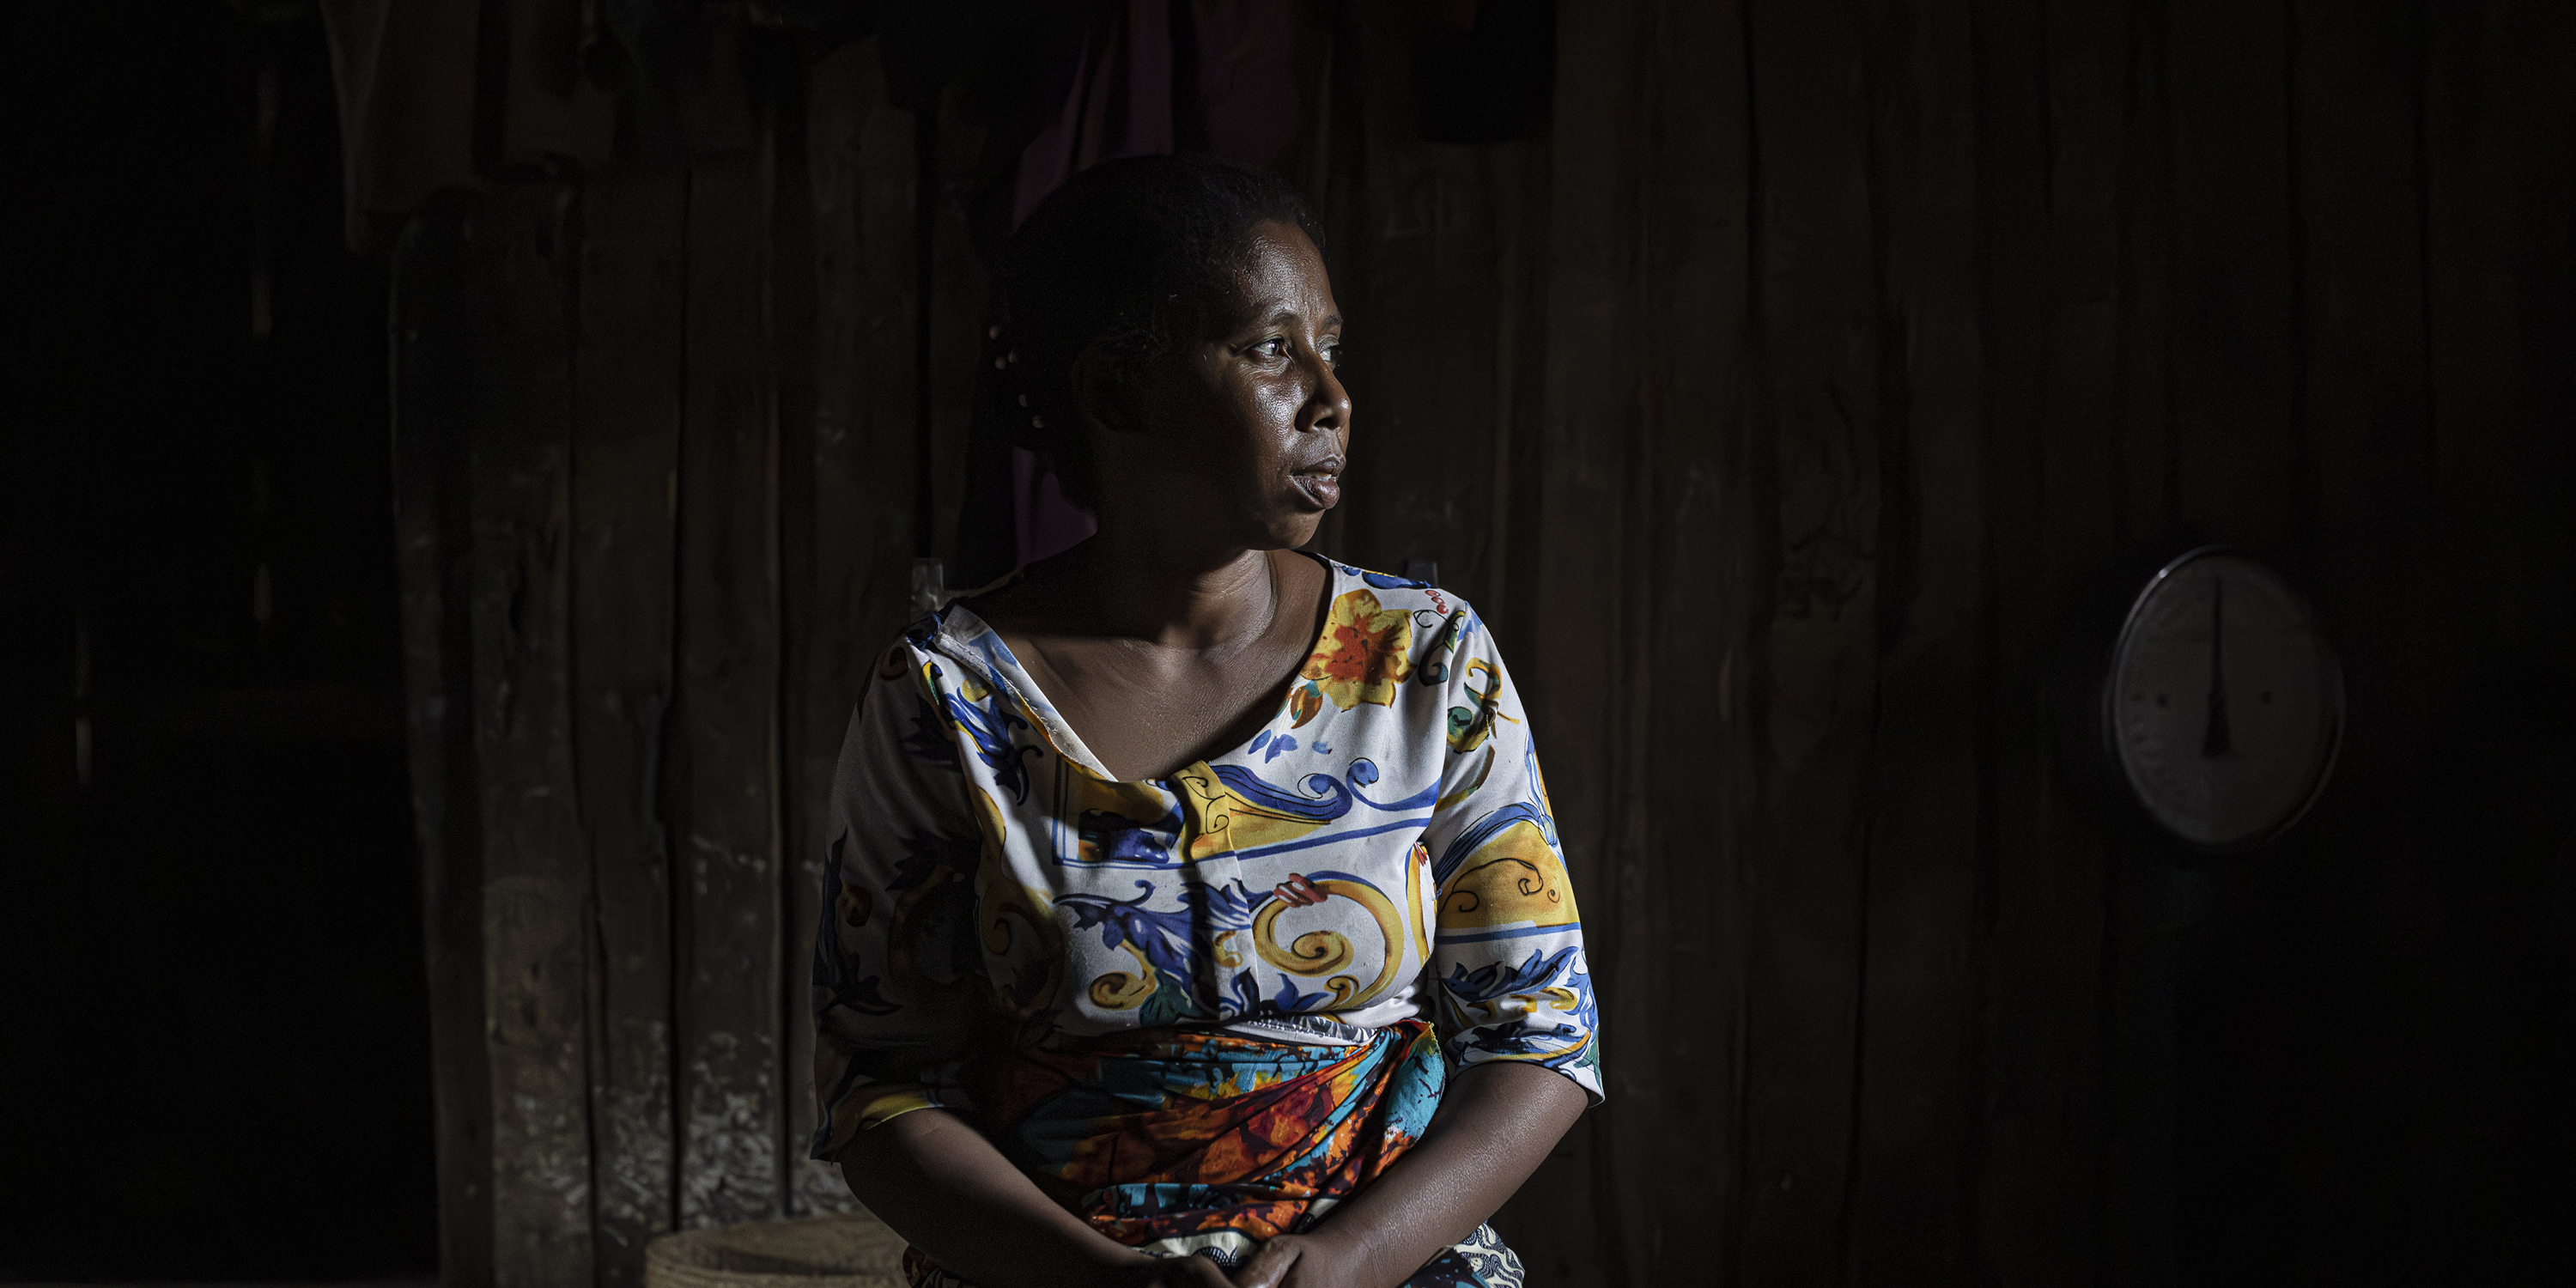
(1778, 378)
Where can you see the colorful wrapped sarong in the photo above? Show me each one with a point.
(1180, 1142)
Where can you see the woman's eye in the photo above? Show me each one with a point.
(1274, 347)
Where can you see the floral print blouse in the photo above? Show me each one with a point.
(1382, 848)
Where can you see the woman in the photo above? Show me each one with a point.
(1152, 861)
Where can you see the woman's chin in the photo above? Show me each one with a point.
(1290, 531)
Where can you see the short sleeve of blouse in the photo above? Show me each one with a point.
(1511, 981)
(895, 954)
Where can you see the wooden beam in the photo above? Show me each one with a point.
(432, 368)
(1704, 512)
(625, 473)
(519, 254)
(960, 299)
(2234, 271)
(2500, 273)
(1576, 675)
(847, 485)
(1913, 1118)
(1817, 342)
(724, 803)
(2036, 1217)
(1439, 281)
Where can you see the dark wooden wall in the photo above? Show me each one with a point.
(1779, 400)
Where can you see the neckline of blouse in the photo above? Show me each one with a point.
(971, 642)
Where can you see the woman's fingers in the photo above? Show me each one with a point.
(1202, 1273)
(1183, 1272)
(1268, 1266)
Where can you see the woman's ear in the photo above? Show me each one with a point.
(1105, 393)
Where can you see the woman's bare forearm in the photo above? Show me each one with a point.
(944, 1187)
(1496, 1123)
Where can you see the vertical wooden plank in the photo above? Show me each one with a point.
(2054, 924)
(2367, 447)
(2499, 193)
(1701, 531)
(724, 815)
(854, 448)
(961, 298)
(1442, 262)
(2087, 62)
(1909, 1220)
(2046, 1053)
(1505, 569)
(2033, 1219)
(2153, 909)
(1577, 673)
(2367, 405)
(2501, 278)
(547, 110)
(2237, 465)
(625, 459)
(1815, 305)
(432, 369)
(795, 291)
(849, 596)
(1327, 159)
(536, 878)
(2150, 901)
(2234, 266)
(2149, 504)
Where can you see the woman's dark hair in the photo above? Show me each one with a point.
(1122, 259)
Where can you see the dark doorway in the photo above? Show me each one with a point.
(217, 1056)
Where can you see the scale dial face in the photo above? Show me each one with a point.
(2224, 706)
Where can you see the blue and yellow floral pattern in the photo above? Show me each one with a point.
(1381, 854)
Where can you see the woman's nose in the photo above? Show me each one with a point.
(1329, 401)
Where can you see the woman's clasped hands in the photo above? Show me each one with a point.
(1289, 1261)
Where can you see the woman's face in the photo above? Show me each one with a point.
(1243, 432)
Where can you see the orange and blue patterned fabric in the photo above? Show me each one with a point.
(1199, 1009)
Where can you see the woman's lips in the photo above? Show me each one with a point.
(1320, 479)
(1323, 487)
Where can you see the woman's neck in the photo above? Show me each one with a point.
(1134, 583)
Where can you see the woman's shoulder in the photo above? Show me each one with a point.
(919, 651)
(1357, 589)
(1396, 643)
(911, 646)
